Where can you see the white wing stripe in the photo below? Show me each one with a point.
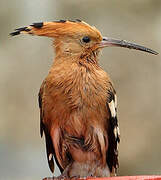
(112, 108)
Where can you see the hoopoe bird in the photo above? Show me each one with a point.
(77, 100)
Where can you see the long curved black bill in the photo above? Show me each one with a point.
(107, 42)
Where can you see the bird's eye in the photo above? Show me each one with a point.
(86, 39)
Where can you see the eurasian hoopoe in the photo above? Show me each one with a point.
(78, 104)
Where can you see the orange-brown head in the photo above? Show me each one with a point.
(75, 37)
(70, 37)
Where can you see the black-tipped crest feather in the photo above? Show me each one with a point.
(19, 30)
(37, 25)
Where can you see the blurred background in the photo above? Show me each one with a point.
(25, 61)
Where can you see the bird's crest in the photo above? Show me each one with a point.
(59, 28)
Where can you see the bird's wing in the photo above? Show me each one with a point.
(113, 131)
(49, 144)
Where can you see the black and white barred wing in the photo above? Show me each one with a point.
(113, 132)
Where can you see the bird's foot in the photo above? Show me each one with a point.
(75, 177)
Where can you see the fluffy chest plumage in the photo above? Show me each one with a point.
(76, 97)
(79, 87)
